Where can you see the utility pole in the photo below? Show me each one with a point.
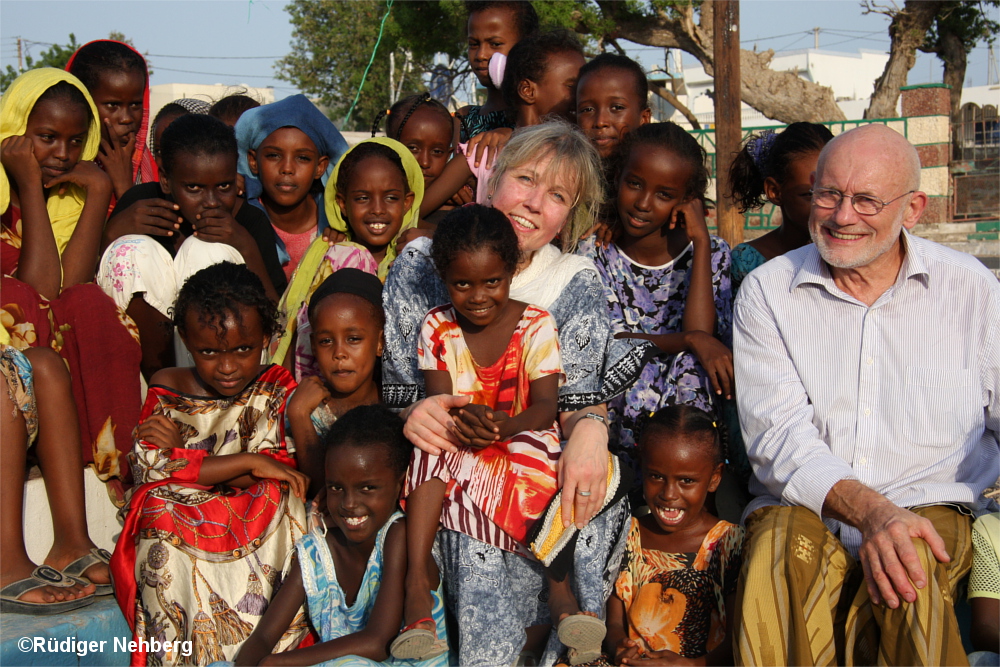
(20, 61)
(728, 113)
(816, 38)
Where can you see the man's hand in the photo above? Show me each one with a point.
(892, 567)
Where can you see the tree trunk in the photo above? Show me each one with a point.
(955, 58)
(783, 96)
(907, 31)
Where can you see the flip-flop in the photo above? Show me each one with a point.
(583, 635)
(415, 643)
(42, 576)
(83, 563)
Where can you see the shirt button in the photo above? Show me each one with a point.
(863, 461)
(869, 361)
(867, 412)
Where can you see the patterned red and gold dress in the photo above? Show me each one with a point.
(494, 494)
(676, 602)
(201, 563)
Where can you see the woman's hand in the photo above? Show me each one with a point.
(411, 234)
(264, 467)
(429, 424)
(690, 215)
(489, 143)
(17, 154)
(116, 159)
(715, 358)
(87, 175)
(310, 393)
(161, 431)
(583, 467)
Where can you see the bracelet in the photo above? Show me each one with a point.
(596, 417)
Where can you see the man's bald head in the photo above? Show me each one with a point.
(881, 144)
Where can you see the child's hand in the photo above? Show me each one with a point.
(627, 649)
(690, 216)
(604, 233)
(466, 195)
(333, 237)
(489, 143)
(152, 217)
(116, 159)
(658, 659)
(474, 426)
(17, 154)
(217, 225)
(161, 431)
(716, 359)
(307, 397)
(85, 174)
(411, 234)
(264, 467)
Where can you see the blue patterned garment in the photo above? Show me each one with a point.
(494, 594)
(745, 258)
(328, 610)
(597, 365)
(474, 123)
(651, 300)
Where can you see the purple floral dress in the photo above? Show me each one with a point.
(651, 300)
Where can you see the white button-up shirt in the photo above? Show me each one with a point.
(902, 395)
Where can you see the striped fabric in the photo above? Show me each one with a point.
(903, 396)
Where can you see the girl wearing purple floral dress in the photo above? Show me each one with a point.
(666, 279)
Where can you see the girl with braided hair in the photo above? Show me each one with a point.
(776, 167)
(673, 602)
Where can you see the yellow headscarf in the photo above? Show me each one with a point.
(15, 107)
(310, 272)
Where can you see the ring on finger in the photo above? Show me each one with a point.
(583, 493)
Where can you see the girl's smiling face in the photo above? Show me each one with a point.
(375, 202)
(199, 181)
(287, 163)
(678, 473)
(119, 98)
(346, 341)
(608, 107)
(227, 363)
(652, 183)
(57, 130)
(537, 200)
(491, 30)
(479, 286)
(555, 94)
(428, 134)
(362, 492)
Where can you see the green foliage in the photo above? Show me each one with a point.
(969, 21)
(56, 56)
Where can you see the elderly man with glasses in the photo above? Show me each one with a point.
(867, 374)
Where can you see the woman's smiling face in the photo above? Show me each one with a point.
(538, 201)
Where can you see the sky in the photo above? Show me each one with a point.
(237, 41)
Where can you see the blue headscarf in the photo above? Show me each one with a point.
(296, 111)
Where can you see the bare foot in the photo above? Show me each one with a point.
(419, 604)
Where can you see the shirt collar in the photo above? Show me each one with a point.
(814, 270)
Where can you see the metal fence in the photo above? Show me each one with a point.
(976, 136)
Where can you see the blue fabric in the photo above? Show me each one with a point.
(745, 258)
(296, 111)
(329, 612)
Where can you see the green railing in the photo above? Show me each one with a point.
(762, 220)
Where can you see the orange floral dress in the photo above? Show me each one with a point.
(676, 602)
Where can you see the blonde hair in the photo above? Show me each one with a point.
(573, 157)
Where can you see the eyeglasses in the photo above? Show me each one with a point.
(863, 204)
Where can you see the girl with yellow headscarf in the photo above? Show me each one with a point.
(367, 172)
(53, 200)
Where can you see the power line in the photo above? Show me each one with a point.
(164, 55)
(157, 68)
